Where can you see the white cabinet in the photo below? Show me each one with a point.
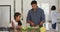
(58, 22)
(4, 16)
(59, 4)
(4, 31)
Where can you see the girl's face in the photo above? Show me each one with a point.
(18, 18)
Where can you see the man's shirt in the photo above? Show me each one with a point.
(36, 16)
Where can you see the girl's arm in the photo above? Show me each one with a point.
(12, 24)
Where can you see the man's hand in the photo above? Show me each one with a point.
(41, 23)
(31, 23)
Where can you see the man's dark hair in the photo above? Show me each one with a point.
(53, 7)
(34, 2)
(16, 14)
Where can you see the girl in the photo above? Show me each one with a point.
(54, 17)
(16, 23)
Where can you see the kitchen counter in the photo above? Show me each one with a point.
(9, 29)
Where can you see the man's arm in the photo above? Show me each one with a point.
(29, 19)
(42, 18)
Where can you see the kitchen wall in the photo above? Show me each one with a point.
(26, 6)
(7, 2)
(59, 4)
(11, 2)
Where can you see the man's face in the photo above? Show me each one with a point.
(34, 6)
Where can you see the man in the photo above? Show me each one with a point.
(35, 15)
